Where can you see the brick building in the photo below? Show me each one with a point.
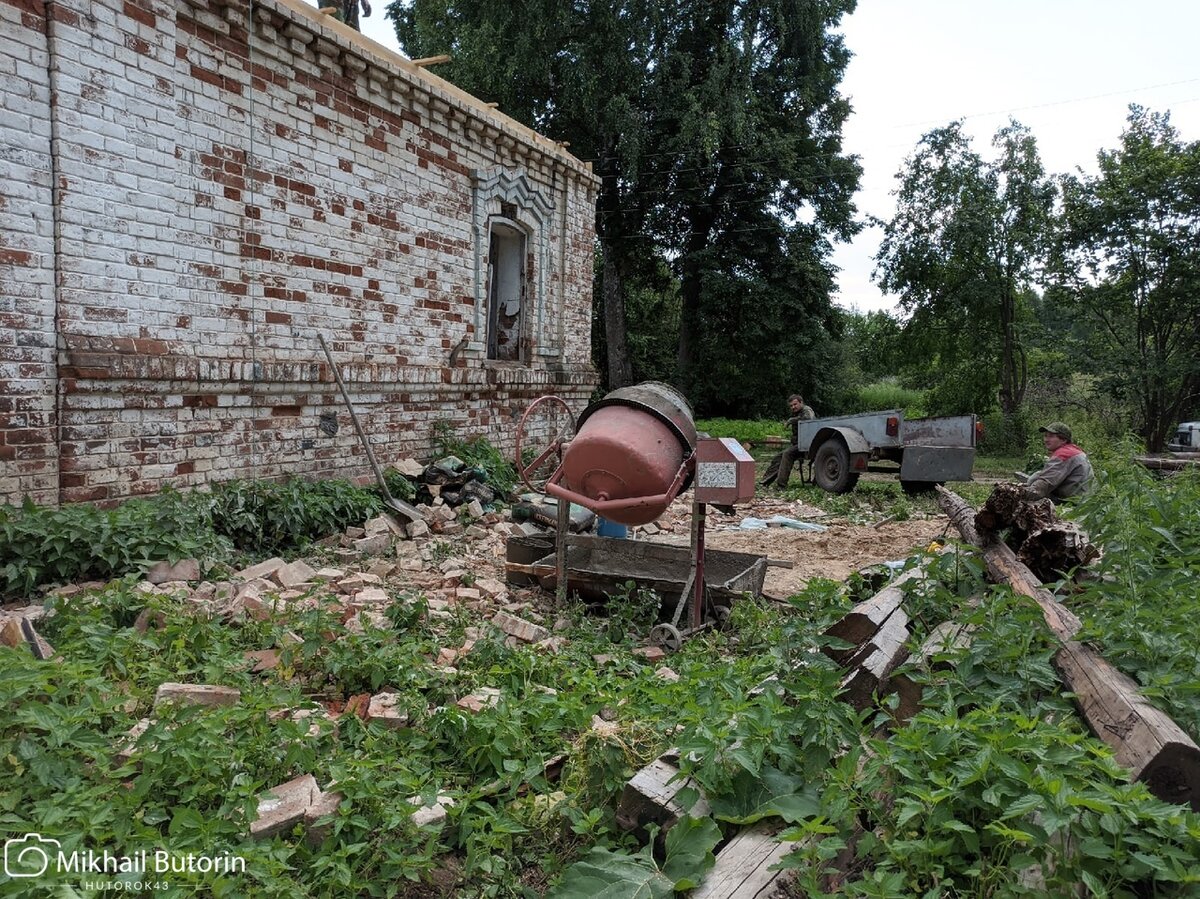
(190, 192)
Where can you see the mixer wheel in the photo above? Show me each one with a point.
(667, 636)
(553, 408)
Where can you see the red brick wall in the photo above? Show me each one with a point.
(224, 194)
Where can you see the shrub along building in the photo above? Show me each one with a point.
(191, 192)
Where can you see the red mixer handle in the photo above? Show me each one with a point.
(604, 506)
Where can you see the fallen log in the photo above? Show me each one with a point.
(1144, 740)
(1004, 567)
(1167, 463)
(1042, 541)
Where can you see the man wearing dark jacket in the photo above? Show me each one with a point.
(1066, 473)
(792, 454)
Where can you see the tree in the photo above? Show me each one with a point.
(715, 129)
(963, 247)
(1128, 259)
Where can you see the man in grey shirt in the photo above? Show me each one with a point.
(1066, 473)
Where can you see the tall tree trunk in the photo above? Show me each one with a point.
(690, 277)
(616, 335)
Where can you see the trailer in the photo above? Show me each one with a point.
(924, 451)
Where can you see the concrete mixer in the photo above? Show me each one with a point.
(629, 456)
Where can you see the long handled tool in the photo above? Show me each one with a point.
(396, 505)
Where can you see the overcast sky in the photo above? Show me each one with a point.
(1068, 69)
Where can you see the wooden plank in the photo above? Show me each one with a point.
(650, 797)
(949, 636)
(886, 652)
(863, 621)
(743, 868)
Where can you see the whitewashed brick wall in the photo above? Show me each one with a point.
(228, 185)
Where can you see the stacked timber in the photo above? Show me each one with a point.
(877, 630)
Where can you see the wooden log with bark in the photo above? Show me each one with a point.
(1144, 740)
(1178, 462)
(1043, 542)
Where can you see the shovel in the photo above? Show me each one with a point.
(396, 505)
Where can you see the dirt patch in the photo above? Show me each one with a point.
(834, 553)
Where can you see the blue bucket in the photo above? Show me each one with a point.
(606, 528)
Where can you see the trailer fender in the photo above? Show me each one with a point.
(855, 442)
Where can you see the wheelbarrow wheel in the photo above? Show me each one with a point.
(667, 636)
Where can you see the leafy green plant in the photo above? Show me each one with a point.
(689, 846)
(477, 453)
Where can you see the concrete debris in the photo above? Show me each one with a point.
(299, 801)
(483, 698)
(604, 729)
(326, 575)
(491, 587)
(417, 529)
(520, 628)
(183, 570)
(346, 556)
(410, 468)
(383, 708)
(651, 653)
(552, 644)
(380, 568)
(196, 694)
(261, 660)
(372, 595)
(434, 814)
(355, 533)
(374, 546)
(129, 744)
(666, 674)
(371, 580)
(475, 509)
(325, 805)
(293, 574)
(467, 594)
(148, 618)
(261, 570)
(448, 528)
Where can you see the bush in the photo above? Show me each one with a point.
(882, 395)
(82, 542)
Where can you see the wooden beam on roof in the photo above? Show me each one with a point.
(432, 60)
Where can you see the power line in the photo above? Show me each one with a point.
(979, 115)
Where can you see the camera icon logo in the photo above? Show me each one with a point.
(29, 856)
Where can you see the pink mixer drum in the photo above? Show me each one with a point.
(631, 456)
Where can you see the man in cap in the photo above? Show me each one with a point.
(1066, 473)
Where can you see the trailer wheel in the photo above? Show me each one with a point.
(916, 488)
(831, 467)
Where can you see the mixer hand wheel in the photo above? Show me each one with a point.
(554, 408)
